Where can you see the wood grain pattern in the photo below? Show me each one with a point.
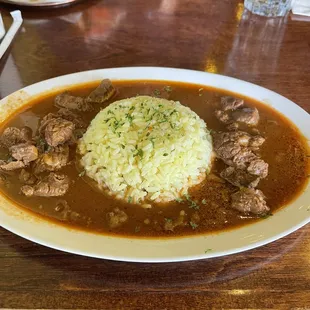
(214, 36)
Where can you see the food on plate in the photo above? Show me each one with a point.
(145, 149)
(151, 158)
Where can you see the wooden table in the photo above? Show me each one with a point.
(213, 36)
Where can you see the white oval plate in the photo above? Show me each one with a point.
(40, 3)
(245, 238)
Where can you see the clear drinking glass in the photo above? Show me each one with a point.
(270, 8)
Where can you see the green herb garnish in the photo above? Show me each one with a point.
(204, 201)
(193, 204)
(193, 225)
(208, 250)
(137, 229)
(179, 200)
(168, 89)
(265, 216)
(82, 173)
(156, 92)
(139, 153)
(165, 154)
(168, 220)
(129, 199)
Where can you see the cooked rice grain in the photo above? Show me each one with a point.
(146, 148)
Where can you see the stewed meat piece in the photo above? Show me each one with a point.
(24, 152)
(102, 93)
(14, 135)
(26, 177)
(240, 178)
(249, 116)
(258, 167)
(11, 165)
(44, 122)
(53, 160)
(239, 137)
(116, 218)
(242, 159)
(51, 186)
(235, 149)
(65, 100)
(72, 117)
(233, 126)
(233, 112)
(227, 151)
(223, 116)
(256, 141)
(231, 103)
(250, 201)
(58, 131)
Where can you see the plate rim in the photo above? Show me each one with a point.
(54, 3)
(164, 258)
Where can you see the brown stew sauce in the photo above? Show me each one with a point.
(84, 207)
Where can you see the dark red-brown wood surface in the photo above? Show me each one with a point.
(214, 36)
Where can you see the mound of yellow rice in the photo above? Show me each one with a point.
(146, 149)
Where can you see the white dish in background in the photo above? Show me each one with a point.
(40, 3)
(284, 221)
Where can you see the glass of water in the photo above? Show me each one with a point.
(270, 8)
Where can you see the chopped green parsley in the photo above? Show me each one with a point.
(168, 89)
(193, 204)
(82, 173)
(193, 225)
(157, 92)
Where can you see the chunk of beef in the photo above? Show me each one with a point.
(13, 135)
(235, 148)
(24, 152)
(102, 93)
(228, 150)
(230, 103)
(240, 178)
(26, 177)
(249, 116)
(233, 126)
(242, 159)
(72, 117)
(116, 218)
(58, 131)
(223, 116)
(55, 159)
(258, 167)
(51, 186)
(44, 122)
(65, 100)
(250, 201)
(256, 141)
(11, 165)
(240, 137)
